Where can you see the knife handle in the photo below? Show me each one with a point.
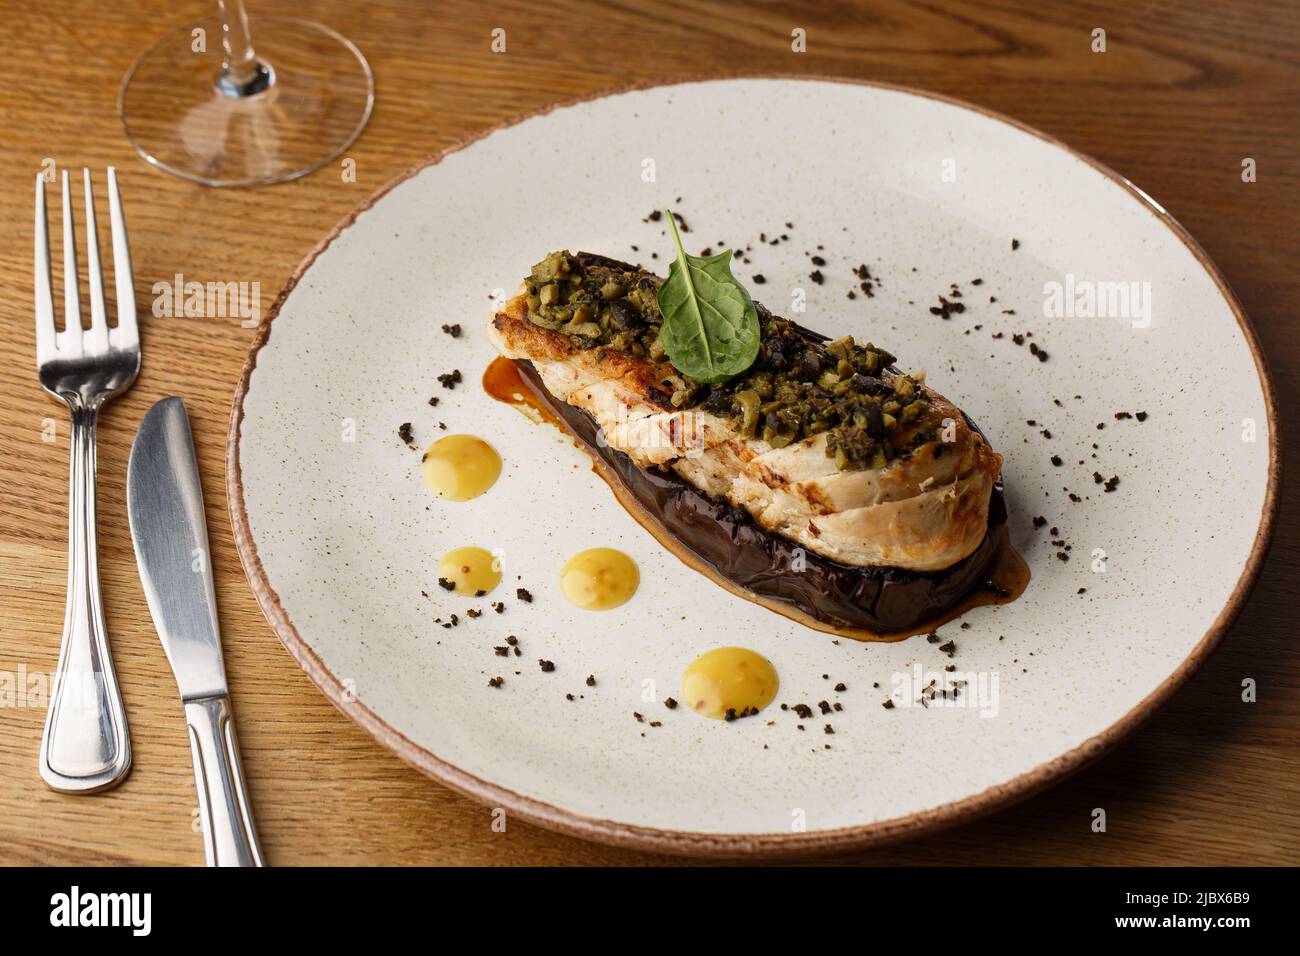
(228, 835)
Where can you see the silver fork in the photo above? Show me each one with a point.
(86, 746)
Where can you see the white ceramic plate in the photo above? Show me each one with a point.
(340, 538)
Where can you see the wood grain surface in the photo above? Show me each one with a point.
(1184, 93)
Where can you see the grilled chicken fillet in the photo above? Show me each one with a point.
(923, 506)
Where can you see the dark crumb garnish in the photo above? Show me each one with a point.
(1039, 521)
(546, 666)
(829, 729)
(656, 723)
(569, 697)
(670, 703)
(949, 648)
(803, 710)
(1141, 416)
(818, 261)
(1015, 244)
(1056, 460)
(1062, 556)
(524, 595)
(1082, 591)
(1120, 416)
(591, 680)
(945, 308)
(404, 433)
(452, 330)
(758, 278)
(496, 681)
(639, 719)
(498, 606)
(976, 281)
(733, 714)
(888, 704)
(450, 379)
(512, 640)
(479, 593)
(840, 687)
(433, 401)
(501, 651)
(816, 276)
(474, 612)
(1111, 483)
(824, 706)
(446, 585)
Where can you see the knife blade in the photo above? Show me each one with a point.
(164, 501)
(165, 506)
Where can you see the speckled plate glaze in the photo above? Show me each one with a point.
(340, 538)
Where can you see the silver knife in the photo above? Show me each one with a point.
(165, 505)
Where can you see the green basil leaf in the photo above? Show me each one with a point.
(710, 327)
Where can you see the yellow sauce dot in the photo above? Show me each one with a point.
(460, 467)
(729, 679)
(472, 570)
(599, 578)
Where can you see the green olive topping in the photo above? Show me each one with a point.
(796, 388)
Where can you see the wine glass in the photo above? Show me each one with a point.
(203, 104)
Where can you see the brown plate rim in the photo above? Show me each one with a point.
(743, 844)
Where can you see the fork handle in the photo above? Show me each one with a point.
(229, 838)
(86, 746)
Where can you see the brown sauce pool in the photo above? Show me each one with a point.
(861, 604)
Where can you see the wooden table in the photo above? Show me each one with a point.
(1183, 93)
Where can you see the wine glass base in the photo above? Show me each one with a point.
(316, 99)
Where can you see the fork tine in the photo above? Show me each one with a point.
(45, 332)
(71, 284)
(97, 337)
(127, 334)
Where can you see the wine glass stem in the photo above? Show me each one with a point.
(241, 72)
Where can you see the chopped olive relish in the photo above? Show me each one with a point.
(598, 305)
(797, 387)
